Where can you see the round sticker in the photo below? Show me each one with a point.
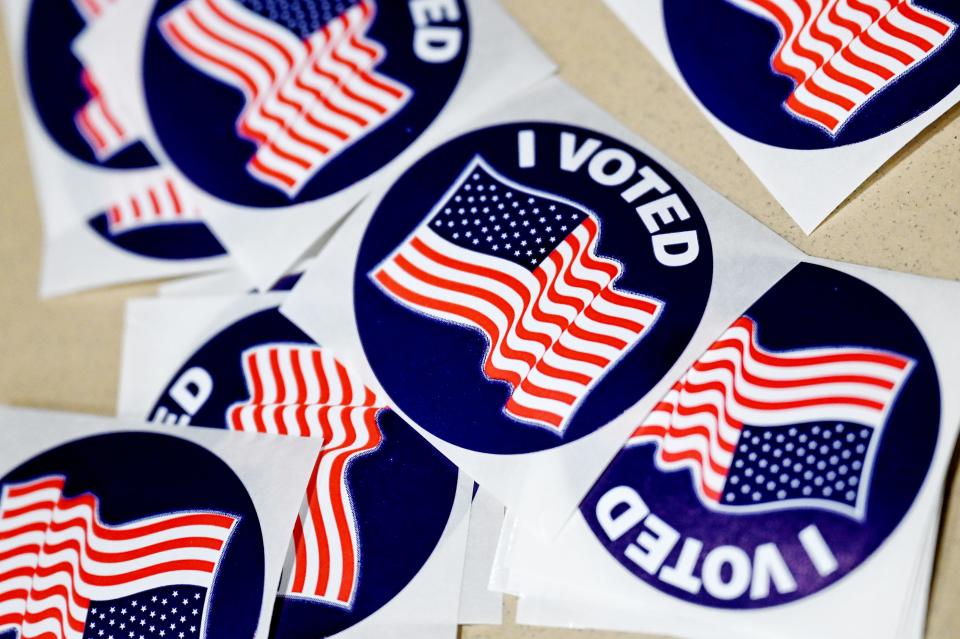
(119, 489)
(521, 285)
(67, 97)
(824, 438)
(389, 491)
(294, 100)
(804, 80)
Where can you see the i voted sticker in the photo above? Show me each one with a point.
(521, 285)
(784, 457)
(108, 536)
(158, 220)
(294, 100)
(380, 496)
(804, 75)
(67, 97)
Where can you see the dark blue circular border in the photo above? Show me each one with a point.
(137, 475)
(812, 306)
(432, 369)
(198, 133)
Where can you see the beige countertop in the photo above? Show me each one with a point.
(64, 353)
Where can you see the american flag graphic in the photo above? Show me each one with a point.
(62, 568)
(521, 267)
(841, 53)
(162, 201)
(306, 69)
(302, 390)
(100, 124)
(764, 430)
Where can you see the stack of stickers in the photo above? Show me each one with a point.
(695, 429)
(167, 135)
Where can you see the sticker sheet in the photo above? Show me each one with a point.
(814, 96)
(112, 211)
(793, 474)
(526, 290)
(392, 511)
(115, 525)
(295, 107)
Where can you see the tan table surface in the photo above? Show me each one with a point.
(64, 353)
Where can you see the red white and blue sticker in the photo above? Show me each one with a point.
(380, 496)
(784, 457)
(521, 285)
(814, 75)
(272, 103)
(152, 217)
(68, 99)
(108, 536)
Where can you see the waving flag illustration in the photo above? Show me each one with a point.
(307, 72)
(840, 53)
(100, 124)
(162, 201)
(763, 430)
(302, 390)
(64, 574)
(521, 267)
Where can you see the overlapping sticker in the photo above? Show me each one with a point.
(796, 466)
(113, 526)
(111, 212)
(522, 285)
(295, 107)
(809, 93)
(384, 525)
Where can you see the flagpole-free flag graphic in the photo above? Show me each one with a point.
(302, 390)
(64, 574)
(521, 266)
(306, 69)
(97, 121)
(841, 53)
(162, 202)
(761, 430)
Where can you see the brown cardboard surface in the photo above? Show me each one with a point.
(64, 353)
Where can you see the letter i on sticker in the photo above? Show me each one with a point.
(527, 149)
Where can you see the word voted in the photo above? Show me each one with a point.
(435, 43)
(613, 167)
(190, 392)
(726, 572)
